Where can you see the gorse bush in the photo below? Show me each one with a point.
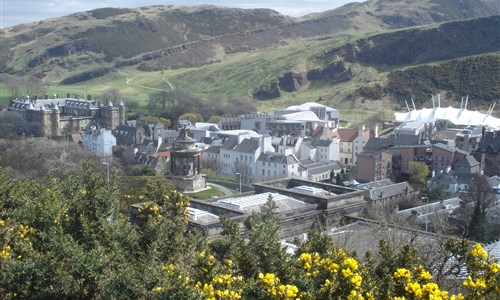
(64, 239)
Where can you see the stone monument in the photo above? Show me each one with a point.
(185, 165)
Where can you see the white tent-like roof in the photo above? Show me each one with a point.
(457, 116)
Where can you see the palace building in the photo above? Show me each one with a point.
(64, 116)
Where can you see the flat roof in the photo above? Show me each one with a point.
(202, 216)
(251, 203)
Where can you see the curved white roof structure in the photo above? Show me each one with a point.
(306, 115)
(457, 116)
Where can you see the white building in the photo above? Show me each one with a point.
(299, 120)
(324, 113)
(238, 154)
(288, 145)
(320, 150)
(272, 165)
(100, 141)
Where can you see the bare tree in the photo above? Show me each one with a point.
(212, 164)
(112, 95)
(33, 86)
(481, 195)
(244, 169)
(14, 84)
(36, 157)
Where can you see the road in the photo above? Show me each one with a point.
(222, 189)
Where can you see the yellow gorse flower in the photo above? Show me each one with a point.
(402, 273)
(478, 251)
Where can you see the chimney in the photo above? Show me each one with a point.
(266, 146)
(361, 131)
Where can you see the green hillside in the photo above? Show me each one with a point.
(357, 57)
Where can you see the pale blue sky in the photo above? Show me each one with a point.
(13, 12)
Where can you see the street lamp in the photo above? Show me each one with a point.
(239, 175)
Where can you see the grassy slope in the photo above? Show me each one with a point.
(237, 75)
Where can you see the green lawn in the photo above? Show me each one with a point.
(4, 95)
(205, 194)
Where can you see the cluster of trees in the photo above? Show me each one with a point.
(22, 86)
(177, 104)
(66, 239)
(34, 158)
(14, 126)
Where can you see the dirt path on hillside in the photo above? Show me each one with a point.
(129, 79)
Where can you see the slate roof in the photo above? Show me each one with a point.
(452, 177)
(463, 178)
(468, 161)
(230, 143)
(278, 158)
(247, 146)
(444, 147)
(375, 184)
(306, 161)
(378, 143)
(406, 139)
(321, 142)
(215, 149)
(491, 141)
(387, 191)
(307, 144)
(444, 178)
(318, 168)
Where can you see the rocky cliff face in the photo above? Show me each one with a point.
(423, 45)
(292, 82)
